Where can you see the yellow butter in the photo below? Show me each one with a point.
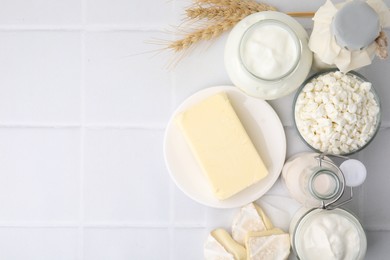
(221, 146)
(224, 238)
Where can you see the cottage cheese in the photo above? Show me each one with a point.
(337, 113)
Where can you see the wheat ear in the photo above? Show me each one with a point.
(246, 4)
(212, 13)
(211, 31)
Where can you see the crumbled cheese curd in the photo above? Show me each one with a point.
(337, 113)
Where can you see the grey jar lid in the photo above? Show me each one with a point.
(356, 25)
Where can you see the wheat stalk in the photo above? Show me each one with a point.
(246, 4)
(208, 33)
(211, 13)
(223, 15)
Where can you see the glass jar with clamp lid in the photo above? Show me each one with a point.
(321, 229)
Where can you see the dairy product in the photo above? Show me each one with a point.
(266, 55)
(330, 234)
(221, 246)
(269, 50)
(250, 218)
(343, 34)
(271, 244)
(221, 146)
(253, 237)
(299, 173)
(214, 250)
(337, 113)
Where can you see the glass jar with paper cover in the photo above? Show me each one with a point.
(321, 229)
(348, 35)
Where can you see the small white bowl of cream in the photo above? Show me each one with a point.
(267, 56)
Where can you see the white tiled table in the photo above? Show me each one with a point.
(82, 118)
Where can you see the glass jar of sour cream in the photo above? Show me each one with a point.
(267, 56)
(324, 234)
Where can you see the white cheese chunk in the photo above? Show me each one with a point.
(271, 245)
(214, 250)
(250, 218)
(221, 246)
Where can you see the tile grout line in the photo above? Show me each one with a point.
(80, 28)
(87, 126)
(171, 224)
(171, 185)
(107, 224)
(82, 129)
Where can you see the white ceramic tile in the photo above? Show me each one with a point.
(136, 12)
(126, 243)
(39, 178)
(376, 73)
(220, 218)
(284, 108)
(38, 243)
(40, 77)
(125, 177)
(201, 68)
(294, 143)
(188, 243)
(187, 211)
(125, 84)
(376, 187)
(179, 10)
(29, 12)
(378, 245)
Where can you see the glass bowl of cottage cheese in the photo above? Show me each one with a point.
(337, 113)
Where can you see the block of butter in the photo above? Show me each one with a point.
(221, 146)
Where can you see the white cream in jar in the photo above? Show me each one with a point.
(329, 234)
(269, 50)
(266, 55)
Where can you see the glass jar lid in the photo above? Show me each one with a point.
(356, 14)
(325, 184)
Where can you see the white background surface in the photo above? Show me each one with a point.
(82, 120)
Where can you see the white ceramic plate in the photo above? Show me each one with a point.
(263, 127)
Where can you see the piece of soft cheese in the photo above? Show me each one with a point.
(221, 146)
(250, 218)
(270, 244)
(221, 246)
